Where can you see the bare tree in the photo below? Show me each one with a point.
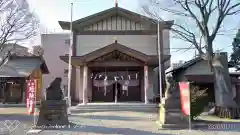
(17, 22)
(208, 17)
(37, 50)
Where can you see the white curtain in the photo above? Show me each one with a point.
(103, 83)
(106, 83)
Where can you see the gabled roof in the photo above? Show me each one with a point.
(22, 66)
(112, 47)
(150, 59)
(108, 13)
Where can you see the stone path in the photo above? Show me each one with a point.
(104, 123)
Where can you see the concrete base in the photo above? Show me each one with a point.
(52, 113)
(172, 126)
(172, 118)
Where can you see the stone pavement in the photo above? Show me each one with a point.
(127, 123)
(14, 120)
(105, 123)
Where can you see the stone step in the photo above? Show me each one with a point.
(91, 107)
(95, 105)
(82, 108)
(117, 106)
(113, 109)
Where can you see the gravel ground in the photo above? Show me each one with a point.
(15, 121)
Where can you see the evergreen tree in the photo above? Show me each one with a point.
(235, 56)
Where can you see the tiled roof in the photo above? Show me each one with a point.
(20, 66)
(186, 64)
(189, 63)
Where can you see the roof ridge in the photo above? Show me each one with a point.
(93, 15)
(109, 12)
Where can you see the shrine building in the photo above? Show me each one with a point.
(115, 56)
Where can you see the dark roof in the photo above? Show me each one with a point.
(190, 63)
(22, 66)
(108, 13)
(186, 64)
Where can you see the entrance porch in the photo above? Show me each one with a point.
(114, 73)
(113, 84)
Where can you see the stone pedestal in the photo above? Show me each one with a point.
(52, 113)
(170, 113)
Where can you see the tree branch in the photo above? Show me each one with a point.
(17, 23)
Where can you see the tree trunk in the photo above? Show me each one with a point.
(224, 98)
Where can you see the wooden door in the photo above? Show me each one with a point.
(98, 94)
(13, 93)
(132, 94)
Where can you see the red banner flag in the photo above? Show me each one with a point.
(185, 97)
(31, 95)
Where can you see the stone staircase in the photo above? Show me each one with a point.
(104, 107)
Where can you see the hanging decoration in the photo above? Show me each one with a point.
(105, 87)
(136, 76)
(102, 80)
(105, 84)
(96, 83)
(125, 84)
(125, 87)
(95, 77)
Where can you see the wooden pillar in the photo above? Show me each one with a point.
(146, 84)
(116, 93)
(85, 84)
(2, 88)
(80, 81)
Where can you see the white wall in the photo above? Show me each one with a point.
(144, 43)
(54, 46)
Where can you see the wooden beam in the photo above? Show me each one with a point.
(115, 64)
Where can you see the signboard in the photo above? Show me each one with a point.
(31, 95)
(185, 97)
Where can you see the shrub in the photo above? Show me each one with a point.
(199, 100)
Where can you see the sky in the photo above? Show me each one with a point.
(52, 11)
